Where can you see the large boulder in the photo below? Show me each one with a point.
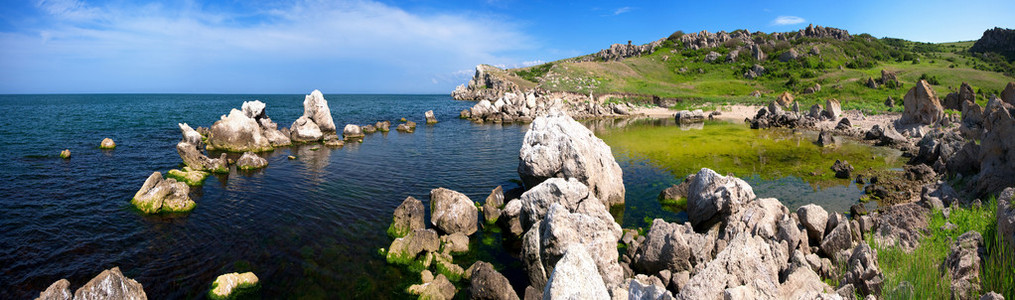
(575, 277)
(452, 211)
(921, 105)
(1008, 94)
(352, 131)
(163, 195)
(570, 193)
(237, 133)
(111, 284)
(316, 109)
(785, 99)
(839, 236)
(197, 161)
(964, 263)
(558, 146)
(546, 241)
(430, 118)
(814, 218)
(305, 130)
(688, 117)
(107, 143)
(711, 195)
(863, 272)
(59, 290)
(229, 286)
(842, 169)
(901, 225)
(997, 150)
(434, 288)
(405, 249)
(408, 216)
(486, 283)
(664, 248)
(250, 161)
(832, 109)
(746, 261)
(1006, 216)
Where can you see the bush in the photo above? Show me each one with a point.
(675, 36)
(930, 79)
(792, 83)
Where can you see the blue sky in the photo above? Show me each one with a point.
(416, 46)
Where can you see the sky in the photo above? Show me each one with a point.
(382, 46)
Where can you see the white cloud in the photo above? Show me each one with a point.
(532, 63)
(787, 20)
(345, 36)
(621, 10)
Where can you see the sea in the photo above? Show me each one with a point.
(309, 227)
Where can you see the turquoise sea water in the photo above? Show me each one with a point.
(309, 228)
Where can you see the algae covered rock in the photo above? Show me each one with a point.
(408, 216)
(189, 176)
(107, 143)
(494, 202)
(430, 118)
(437, 288)
(163, 195)
(65, 154)
(405, 250)
(228, 286)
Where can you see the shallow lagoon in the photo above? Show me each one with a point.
(309, 227)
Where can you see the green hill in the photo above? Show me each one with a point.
(841, 65)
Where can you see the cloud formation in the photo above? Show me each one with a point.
(74, 42)
(788, 20)
(622, 10)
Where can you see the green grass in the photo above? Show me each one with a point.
(921, 268)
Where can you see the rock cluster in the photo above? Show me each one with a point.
(963, 264)
(488, 82)
(558, 146)
(955, 100)
(524, 107)
(618, 52)
(110, 284)
(159, 195)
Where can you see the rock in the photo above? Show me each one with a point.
(486, 283)
(872, 84)
(784, 99)
(732, 55)
(430, 118)
(511, 217)
(1008, 94)
(575, 277)
(645, 287)
(352, 132)
(992, 296)
(814, 89)
(885, 136)
(404, 250)
(59, 290)
(689, 117)
(901, 225)
(842, 169)
(250, 161)
(844, 124)
(440, 288)
(664, 248)
(757, 53)
(163, 195)
(814, 218)
(832, 109)
(711, 195)
(195, 160)
(890, 102)
(408, 216)
(408, 126)
(678, 191)
(455, 243)
(237, 133)
(589, 224)
(815, 111)
(863, 272)
(189, 176)
(452, 211)
(919, 172)
(729, 269)
(315, 108)
(839, 236)
(383, 126)
(65, 154)
(111, 284)
(368, 128)
(825, 139)
(332, 141)
(191, 136)
(789, 55)
(971, 126)
(305, 130)
(804, 283)
(712, 56)
(491, 208)
(964, 263)
(227, 286)
(465, 114)
(921, 106)
(1006, 217)
(107, 143)
(997, 151)
(558, 146)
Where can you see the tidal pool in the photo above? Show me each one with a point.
(778, 163)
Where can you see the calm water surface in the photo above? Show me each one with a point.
(309, 227)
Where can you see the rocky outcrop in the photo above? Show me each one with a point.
(558, 146)
(999, 40)
(486, 283)
(617, 52)
(228, 286)
(712, 196)
(107, 143)
(315, 108)
(524, 107)
(730, 273)
(963, 264)
(488, 82)
(59, 290)
(237, 132)
(997, 150)
(921, 106)
(159, 195)
(189, 150)
(256, 110)
(250, 161)
(863, 271)
(111, 284)
(954, 100)
(453, 212)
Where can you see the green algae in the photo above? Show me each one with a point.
(188, 176)
(243, 290)
(731, 148)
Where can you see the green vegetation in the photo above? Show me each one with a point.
(841, 68)
(922, 268)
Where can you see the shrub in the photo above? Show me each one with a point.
(675, 36)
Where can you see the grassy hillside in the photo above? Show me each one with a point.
(840, 67)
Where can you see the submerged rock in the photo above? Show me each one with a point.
(250, 161)
(452, 211)
(189, 176)
(227, 286)
(163, 195)
(408, 217)
(107, 143)
(111, 284)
